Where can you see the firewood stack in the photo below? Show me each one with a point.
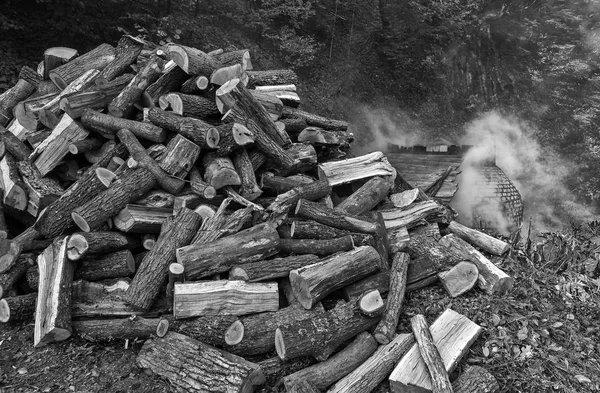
(178, 196)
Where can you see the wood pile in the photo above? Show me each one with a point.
(180, 197)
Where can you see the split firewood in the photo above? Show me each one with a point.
(321, 335)
(211, 330)
(253, 244)
(15, 191)
(176, 274)
(491, 278)
(222, 296)
(96, 121)
(113, 307)
(83, 244)
(196, 130)
(274, 88)
(475, 379)
(386, 329)
(271, 77)
(376, 368)
(74, 104)
(27, 111)
(405, 198)
(53, 310)
(195, 84)
(189, 365)
(57, 56)
(415, 214)
(460, 279)
(318, 247)
(42, 191)
(30, 75)
(132, 328)
(352, 169)
(366, 197)
(127, 51)
(14, 146)
(219, 171)
(18, 308)
(199, 186)
(176, 232)
(179, 156)
(19, 131)
(315, 120)
(479, 239)
(288, 98)
(191, 105)
(286, 201)
(333, 218)
(314, 230)
(123, 104)
(96, 59)
(10, 277)
(452, 334)
(11, 97)
(270, 269)
(224, 74)
(112, 265)
(326, 373)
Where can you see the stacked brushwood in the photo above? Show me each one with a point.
(180, 197)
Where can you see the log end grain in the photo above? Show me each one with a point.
(460, 279)
(238, 273)
(213, 137)
(11, 251)
(130, 261)
(4, 309)
(301, 290)
(162, 328)
(80, 222)
(234, 333)
(105, 176)
(77, 245)
(371, 303)
(280, 344)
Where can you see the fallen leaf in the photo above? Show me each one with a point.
(582, 379)
(495, 320)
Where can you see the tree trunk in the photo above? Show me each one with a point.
(314, 120)
(318, 247)
(141, 219)
(248, 187)
(315, 230)
(193, 61)
(195, 84)
(210, 330)
(192, 105)
(10, 277)
(83, 244)
(96, 59)
(171, 79)
(42, 191)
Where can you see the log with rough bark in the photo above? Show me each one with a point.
(241, 57)
(85, 145)
(250, 245)
(141, 219)
(475, 379)
(176, 232)
(132, 328)
(176, 274)
(41, 191)
(196, 130)
(57, 56)
(376, 368)
(313, 282)
(18, 308)
(318, 247)
(195, 84)
(83, 244)
(321, 335)
(415, 214)
(219, 172)
(112, 265)
(248, 188)
(192, 105)
(270, 269)
(452, 334)
(94, 121)
(293, 125)
(15, 191)
(189, 365)
(96, 59)
(11, 97)
(305, 192)
(352, 169)
(3, 227)
(315, 120)
(288, 98)
(193, 61)
(322, 138)
(126, 53)
(271, 77)
(279, 184)
(327, 216)
(93, 156)
(199, 186)
(10, 277)
(224, 74)
(315, 230)
(366, 197)
(492, 279)
(223, 296)
(171, 79)
(27, 111)
(378, 281)
(326, 373)
(211, 330)
(57, 217)
(370, 303)
(479, 239)
(431, 357)
(56, 146)
(405, 198)
(113, 307)
(148, 241)
(123, 104)
(31, 76)
(272, 105)
(302, 386)
(386, 329)
(179, 157)
(53, 310)
(460, 279)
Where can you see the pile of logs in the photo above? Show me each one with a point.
(180, 197)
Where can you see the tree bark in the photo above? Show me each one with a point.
(248, 187)
(219, 172)
(141, 219)
(126, 53)
(179, 156)
(18, 308)
(192, 105)
(98, 58)
(15, 191)
(195, 84)
(112, 265)
(94, 120)
(11, 97)
(83, 244)
(317, 247)
(193, 61)
(171, 79)
(271, 77)
(315, 120)
(210, 330)
(10, 277)
(306, 192)
(196, 130)
(321, 214)
(42, 191)
(132, 328)
(475, 379)
(199, 186)
(366, 197)
(315, 230)
(479, 239)
(270, 269)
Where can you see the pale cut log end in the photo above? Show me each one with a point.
(176, 103)
(209, 192)
(246, 62)
(163, 102)
(382, 338)
(298, 205)
(292, 229)
(180, 57)
(205, 211)
(77, 245)
(73, 149)
(234, 333)
(148, 242)
(176, 269)
(132, 163)
(105, 176)
(202, 83)
(8, 260)
(130, 261)
(301, 291)
(242, 135)
(213, 137)
(238, 273)
(371, 303)
(3, 235)
(162, 328)
(220, 106)
(279, 344)
(2, 149)
(4, 309)
(56, 335)
(80, 222)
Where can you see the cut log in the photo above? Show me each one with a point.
(219, 171)
(405, 198)
(314, 230)
(3, 227)
(431, 357)
(305, 157)
(274, 368)
(415, 214)
(195, 84)
(272, 105)
(9, 277)
(192, 105)
(475, 379)
(313, 282)
(112, 307)
(253, 244)
(157, 198)
(11, 97)
(375, 369)
(352, 169)
(224, 74)
(18, 308)
(382, 243)
(15, 191)
(133, 328)
(95, 121)
(324, 374)
(83, 244)
(57, 56)
(196, 130)
(321, 214)
(241, 57)
(141, 219)
(460, 279)
(303, 386)
(491, 278)
(27, 112)
(452, 335)
(279, 185)
(386, 329)
(288, 98)
(190, 365)
(271, 77)
(370, 303)
(53, 310)
(378, 281)
(315, 120)
(179, 156)
(126, 53)
(306, 192)
(270, 269)
(276, 88)
(176, 232)
(211, 330)
(193, 61)
(478, 239)
(93, 156)
(248, 187)
(366, 197)
(320, 137)
(322, 334)
(18, 130)
(54, 148)
(176, 274)
(199, 186)
(111, 265)
(41, 191)
(123, 104)
(226, 297)
(293, 125)
(30, 75)
(318, 247)
(96, 59)
(88, 144)
(57, 217)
